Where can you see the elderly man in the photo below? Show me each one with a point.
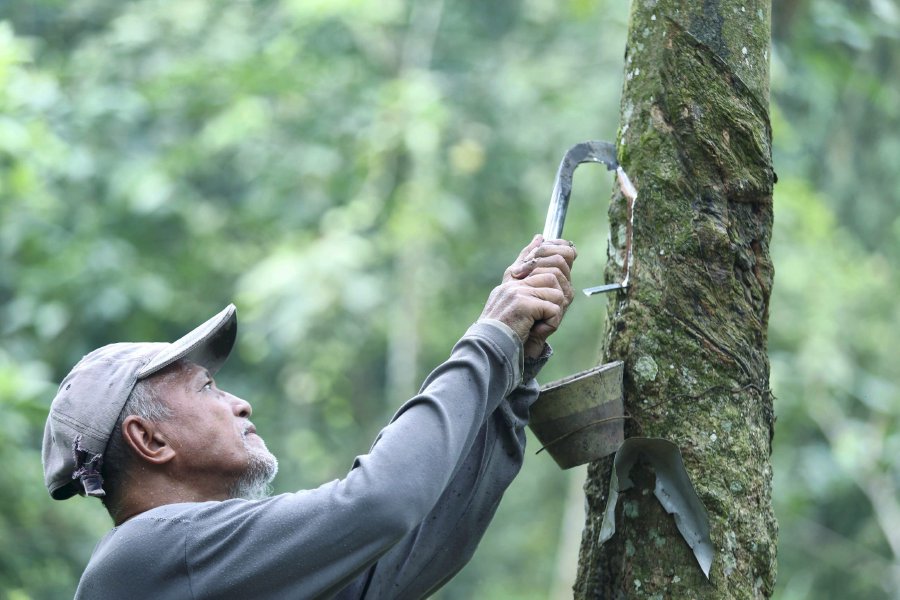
(182, 472)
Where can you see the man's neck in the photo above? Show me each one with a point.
(140, 498)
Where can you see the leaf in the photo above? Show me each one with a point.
(673, 490)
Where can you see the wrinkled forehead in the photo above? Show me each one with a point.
(182, 375)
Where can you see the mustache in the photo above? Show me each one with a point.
(248, 429)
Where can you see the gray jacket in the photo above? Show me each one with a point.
(405, 519)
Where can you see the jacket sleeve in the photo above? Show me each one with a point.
(433, 552)
(315, 543)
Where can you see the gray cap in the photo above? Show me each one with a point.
(90, 398)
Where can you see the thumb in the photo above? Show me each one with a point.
(536, 241)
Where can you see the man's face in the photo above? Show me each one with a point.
(216, 444)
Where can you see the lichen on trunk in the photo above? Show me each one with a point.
(696, 140)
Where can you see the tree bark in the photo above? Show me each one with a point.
(695, 139)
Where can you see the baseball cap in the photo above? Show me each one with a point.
(90, 398)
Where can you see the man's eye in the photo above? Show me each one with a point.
(207, 385)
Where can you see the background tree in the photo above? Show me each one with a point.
(691, 329)
(160, 159)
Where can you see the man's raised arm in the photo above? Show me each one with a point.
(445, 540)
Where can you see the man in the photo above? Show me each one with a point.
(144, 427)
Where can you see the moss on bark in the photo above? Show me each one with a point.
(696, 140)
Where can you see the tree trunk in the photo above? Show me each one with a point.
(695, 139)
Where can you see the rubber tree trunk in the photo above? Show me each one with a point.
(696, 140)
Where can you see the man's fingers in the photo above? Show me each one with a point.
(559, 242)
(552, 279)
(564, 283)
(547, 293)
(544, 255)
(536, 241)
(543, 280)
(565, 249)
(545, 309)
(539, 248)
(513, 269)
(535, 264)
(536, 290)
(542, 330)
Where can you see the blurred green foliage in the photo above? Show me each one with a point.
(356, 176)
(835, 321)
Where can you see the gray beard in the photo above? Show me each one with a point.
(253, 484)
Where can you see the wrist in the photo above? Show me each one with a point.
(534, 348)
(534, 365)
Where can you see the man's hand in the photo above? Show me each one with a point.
(535, 293)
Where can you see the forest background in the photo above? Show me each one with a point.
(355, 176)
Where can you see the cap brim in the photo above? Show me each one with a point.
(208, 345)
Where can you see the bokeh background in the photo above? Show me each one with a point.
(355, 176)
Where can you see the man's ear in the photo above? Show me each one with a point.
(146, 440)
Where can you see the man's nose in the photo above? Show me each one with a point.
(241, 407)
